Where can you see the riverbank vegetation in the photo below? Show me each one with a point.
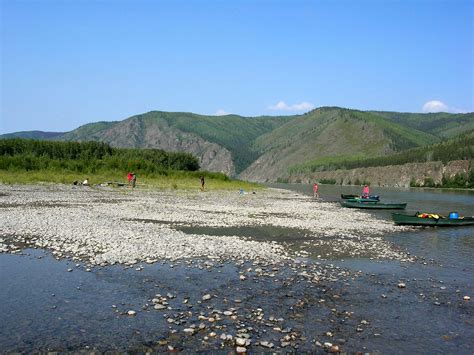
(30, 161)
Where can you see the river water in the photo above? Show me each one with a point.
(44, 307)
(453, 247)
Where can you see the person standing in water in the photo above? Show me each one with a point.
(315, 190)
(365, 191)
(202, 183)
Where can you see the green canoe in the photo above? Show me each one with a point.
(351, 197)
(361, 200)
(414, 220)
(374, 205)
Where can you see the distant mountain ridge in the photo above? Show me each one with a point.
(264, 148)
(32, 135)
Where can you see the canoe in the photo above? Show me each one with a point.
(361, 200)
(374, 205)
(413, 220)
(348, 197)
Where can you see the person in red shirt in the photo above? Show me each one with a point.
(129, 178)
(365, 191)
(315, 190)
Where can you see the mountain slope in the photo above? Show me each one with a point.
(221, 143)
(329, 134)
(265, 148)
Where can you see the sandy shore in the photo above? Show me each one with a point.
(105, 226)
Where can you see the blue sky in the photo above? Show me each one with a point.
(66, 63)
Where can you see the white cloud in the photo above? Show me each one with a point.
(283, 106)
(439, 106)
(435, 106)
(221, 112)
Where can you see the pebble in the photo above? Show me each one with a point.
(401, 285)
(131, 313)
(240, 341)
(466, 298)
(240, 350)
(206, 297)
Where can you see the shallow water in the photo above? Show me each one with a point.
(45, 307)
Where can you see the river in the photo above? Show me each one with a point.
(43, 307)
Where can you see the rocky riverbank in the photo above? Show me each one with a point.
(103, 226)
(392, 175)
(213, 271)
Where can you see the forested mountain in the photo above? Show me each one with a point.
(457, 148)
(267, 147)
(32, 135)
(442, 124)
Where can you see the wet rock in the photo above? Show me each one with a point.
(267, 344)
(131, 313)
(466, 298)
(334, 349)
(189, 331)
(206, 297)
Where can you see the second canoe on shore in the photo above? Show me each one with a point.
(374, 205)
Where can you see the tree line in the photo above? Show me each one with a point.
(90, 157)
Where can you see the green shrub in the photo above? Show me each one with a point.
(328, 181)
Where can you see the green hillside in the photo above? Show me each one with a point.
(264, 148)
(329, 135)
(443, 125)
(86, 132)
(458, 148)
(236, 133)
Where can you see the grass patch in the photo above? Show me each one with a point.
(175, 180)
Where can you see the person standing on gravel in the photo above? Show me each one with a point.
(202, 183)
(134, 179)
(315, 190)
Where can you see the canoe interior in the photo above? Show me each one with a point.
(349, 197)
(403, 219)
